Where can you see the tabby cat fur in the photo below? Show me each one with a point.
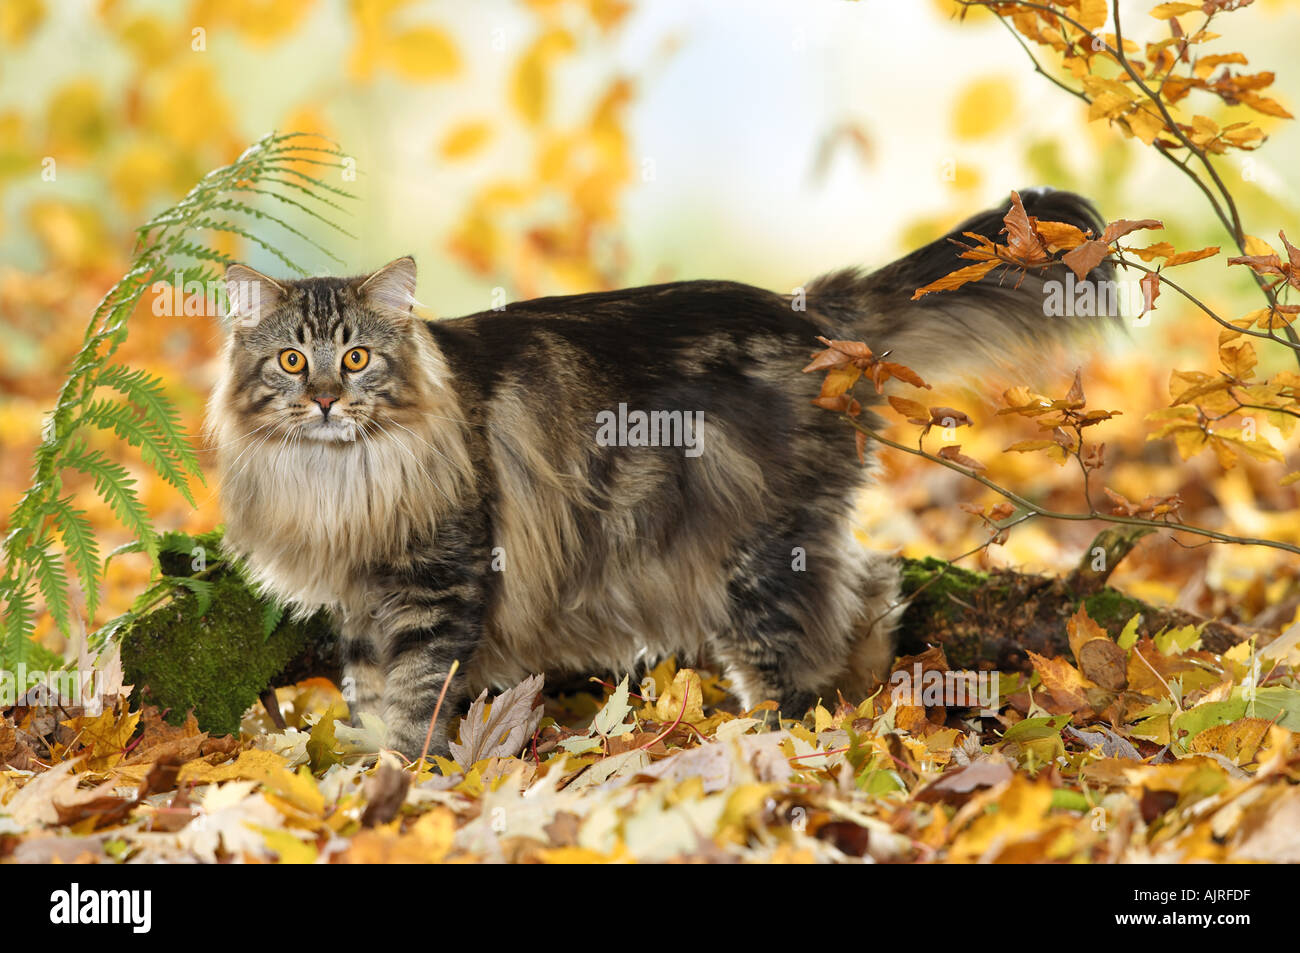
(440, 486)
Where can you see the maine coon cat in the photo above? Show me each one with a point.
(581, 484)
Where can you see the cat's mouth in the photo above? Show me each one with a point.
(330, 429)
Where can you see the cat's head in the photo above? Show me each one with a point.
(323, 359)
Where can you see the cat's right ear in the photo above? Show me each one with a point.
(251, 295)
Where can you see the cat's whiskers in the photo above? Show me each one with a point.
(423, 441)
(420, 463)
(232, 442)
(212, 447)
(235, 479)
(287, 446)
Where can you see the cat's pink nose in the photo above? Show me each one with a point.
(325, 402)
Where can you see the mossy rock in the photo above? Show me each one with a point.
(216, 663)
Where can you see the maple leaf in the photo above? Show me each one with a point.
(502, 731)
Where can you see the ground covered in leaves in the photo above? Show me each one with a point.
(1137, 750)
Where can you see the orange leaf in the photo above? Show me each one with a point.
(954, 455)
(1121, 227)
(956, 279)
(1085, 258)
(1183, 257)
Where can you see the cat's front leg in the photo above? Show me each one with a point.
(432, 616)
(363, 673)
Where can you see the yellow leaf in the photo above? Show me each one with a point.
(290, 848)
(686, 688)
(465, 139)
(1160, 249)
(1167, 11)
(19, 20)
(254, 765)
(1239, 361)
(428, 841)
(1021, 808)
(1092, 13)
(530, 82)
(1258, 247)
(104, 737)
(1237, 741)
(822, 719)
(984, 107)
(425, 53)
(1145, 123)
(840, 379)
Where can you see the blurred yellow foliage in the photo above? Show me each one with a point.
(984, 108)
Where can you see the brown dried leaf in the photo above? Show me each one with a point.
(503, 731)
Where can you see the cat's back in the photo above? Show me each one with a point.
(633, 338)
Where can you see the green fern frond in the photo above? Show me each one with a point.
(220, 226)
(302, 207)
(306, 180)
(233, 205)
(52, 579)
(81, 546)
(116, 487)
(146, 391)
(19, 624)
(137, 431)
(272, 613)
(201, 588)
(299, 187)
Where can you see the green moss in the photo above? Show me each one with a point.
(216, 664)
(939, 577)
(1112, 609)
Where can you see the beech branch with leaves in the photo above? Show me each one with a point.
(1138, 90)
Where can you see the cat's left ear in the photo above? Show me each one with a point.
(251, 295)
(391, 288)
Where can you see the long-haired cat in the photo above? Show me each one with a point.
(579, 484)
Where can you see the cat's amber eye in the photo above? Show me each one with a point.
(355, 359)
(293, 361)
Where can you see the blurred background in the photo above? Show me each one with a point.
(555, 146)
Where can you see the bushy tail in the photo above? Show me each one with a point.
(993, 320)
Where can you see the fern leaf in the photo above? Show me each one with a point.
(301, 206)
(310, 180)
(52, 579)
(80, 544)
(117, 488)
(234, 205)
(272, 613)
(222, 226)
(201, 588)
(146, 391)
(299, 187)
(137, 431)
(135, 546)
(19, 624)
